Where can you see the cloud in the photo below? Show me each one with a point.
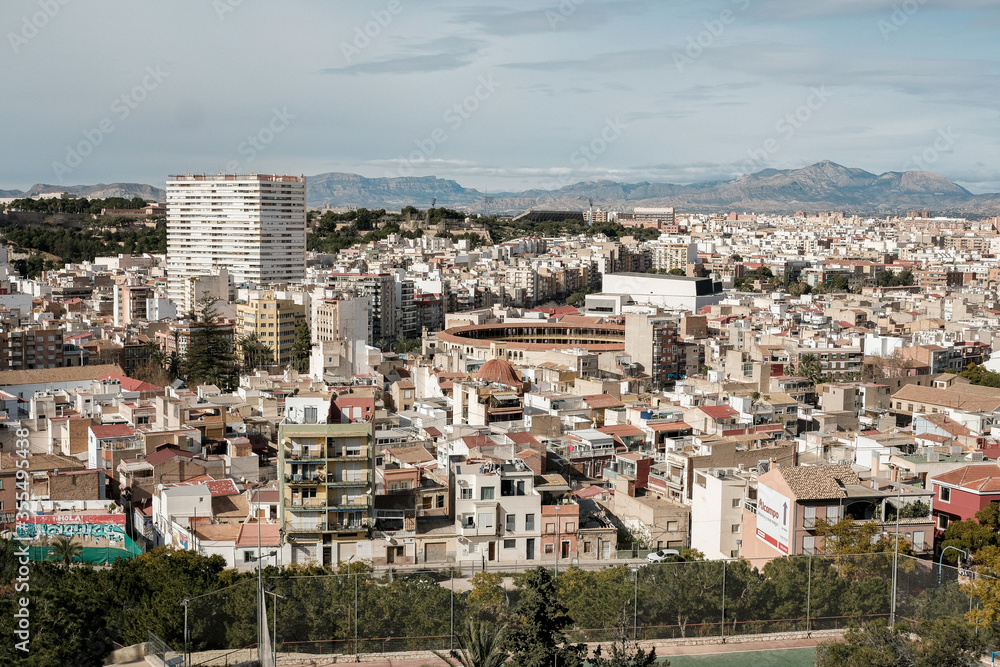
(621, 61)
(561, 15)
(434, 56)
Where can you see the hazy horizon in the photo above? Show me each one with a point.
(501, 97)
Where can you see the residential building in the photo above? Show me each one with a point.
(273, 321)
(326, 482)
(252, 225)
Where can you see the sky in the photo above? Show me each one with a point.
(499, 97)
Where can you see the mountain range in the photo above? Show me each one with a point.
(823, 186)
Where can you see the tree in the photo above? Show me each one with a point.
(487, 594)
(981, 376)
(407, 345)
(945, 642)
(879, 368)
(974, 535)
(809, 367)
(625, 652)
(65, 551)
(676, 272)
(254, 353)
(302, 348)
(537, 635)
(209, 357)
(481, 644)
(847, 539)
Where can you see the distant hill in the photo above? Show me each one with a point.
(819, 187)
(824, 186)
(99, 191)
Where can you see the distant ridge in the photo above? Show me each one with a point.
(824, 186)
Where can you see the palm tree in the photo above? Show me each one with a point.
(809, 367)
(155, 353)
(65, 551)
(174, 366)
(480, 645)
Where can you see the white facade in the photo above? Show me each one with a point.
(498, 513)
(717, 513)
(666, 291)
(253, 225)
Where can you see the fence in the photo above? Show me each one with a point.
(423, 609)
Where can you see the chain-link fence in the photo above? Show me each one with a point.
(422, 609)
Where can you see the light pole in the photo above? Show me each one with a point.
(274, 624)
(895, 558)
(941, 560)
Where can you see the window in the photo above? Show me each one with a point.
(918, 540)
(569, 527)
(466, 494)
(248, 557)
(549, 548)
(440, 500)
(808, 544)
(486, 492)
(809, 518)
(737, 502)
(833, 513)
(529, 521)
(944, 494)
(550, 528)
(486, 520)
(942, 522)
(511, 522)
(671, 526)
(509, 544)
(735, 528)
(586, 547)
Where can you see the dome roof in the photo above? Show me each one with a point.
(500, 371)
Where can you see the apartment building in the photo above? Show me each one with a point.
(22, 349)
(498, 512)
(326, 490)
(380, 288)
(253, 225)
(273, 321)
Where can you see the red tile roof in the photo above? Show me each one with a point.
(602, 401)
(719, 411)
(112, 431)
(984, 478)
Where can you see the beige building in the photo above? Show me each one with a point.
(325, 480)
(273, 321)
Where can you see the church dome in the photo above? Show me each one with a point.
(499, 371)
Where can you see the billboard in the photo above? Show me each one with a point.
(102, 536)
(774, 517)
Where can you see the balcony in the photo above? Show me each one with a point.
(305, 480)
(349, 527)
(305, 527)
(468, 529)
(310, 504)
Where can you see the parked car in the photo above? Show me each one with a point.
(662, 555)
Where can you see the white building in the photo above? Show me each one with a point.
(665, 291)
(717, 512)
(498, 513)
(253, 225)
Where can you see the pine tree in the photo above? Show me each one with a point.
(537, 636)
(302, 347)
(209, 357)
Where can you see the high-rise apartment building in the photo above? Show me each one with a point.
(381, 292)
(252, 225)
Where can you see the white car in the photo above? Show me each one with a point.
(662, 555)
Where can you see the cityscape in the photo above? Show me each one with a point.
(490, 348)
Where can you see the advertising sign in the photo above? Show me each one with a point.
(774, 517)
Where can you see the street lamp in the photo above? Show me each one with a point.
(274, 623)
(941, 560)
